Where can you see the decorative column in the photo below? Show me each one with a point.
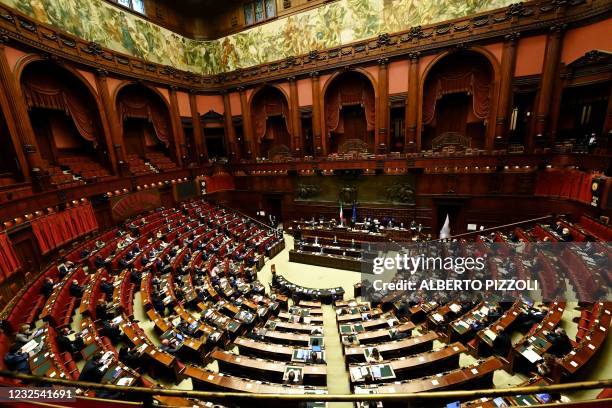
(114, 125)
(198, 135)
(11, 125)
(230, 132)
(177, 126)
(382, 115)
(552, 58)
(508, 63)
(19, 111)
(252, 147)
(318, 124)
(412, 103)
(297, 147)
(607, 129)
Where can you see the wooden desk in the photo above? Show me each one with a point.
(419, 365)
(398, 348)
(262, 349)
(267, 370)
(210, 380)
(479, 375)
(287, 338)
(280, 325)
(383, 334)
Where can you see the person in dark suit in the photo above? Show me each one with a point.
(169, 347)
(566, 235)
(112, 331)
(107, 288)
(102, 311)
(129, 356)
(65, 344)
(502, 343)
(75, 289)
(99, 262)
(17, 361)
(560, 342)
(91, 371)
(135, 278)
(158, 304)
(47, 287)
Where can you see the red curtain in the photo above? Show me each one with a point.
(351, 90)
(54, 230)
(50, 92)
(458, 77)
(571, 184)
(9, 263)
(135, 105)
(268, 103)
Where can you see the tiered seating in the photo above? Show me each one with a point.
(137, 166)
(85, 168)
(161, 161)
(62, 178)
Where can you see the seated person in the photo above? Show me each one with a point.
(24, 335)
(65, 344)
(314, 357)
(112, 331)
(493, 314)
(17, 361)
(75, 289)
(158, 304)
(375, 356)
(135, 278)
(99, 262)
(293, 377)
(47, 287)
(99, 244)
(531, 317)
(350, 340)
(566, 235)
(397, 335)
(560, 342)
(169, 347)
(129, 356)
(92, 371)
(107, 288)
(102, 310)
(502, 343)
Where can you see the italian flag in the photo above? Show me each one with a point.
(341, 214)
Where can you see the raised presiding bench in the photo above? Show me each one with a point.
(328, 260)
(300, 293)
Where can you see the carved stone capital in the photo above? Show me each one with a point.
(101, 72)
(512, 37)
(413, 56)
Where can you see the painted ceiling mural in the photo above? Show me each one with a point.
(328, 26)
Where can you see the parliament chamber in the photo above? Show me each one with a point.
(305, 203)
